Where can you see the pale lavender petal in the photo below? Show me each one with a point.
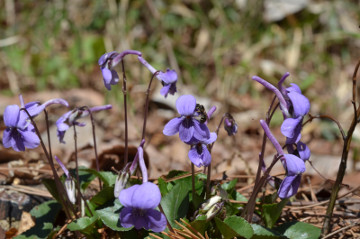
(186, 130)
(201, 131)
(172, 127)
(289, 186)
(7, 138)
(194, 157)
(294, 87)
(110, 77)
(206, 156)
(11, 115)
(186, 104)
(165, 90)
(289, 125)
(98, 108)
(126, 217)
(213, 137)
(300, 103)
(105, 57)
(30, 139)
(168, 77)
(294, 164)
(304, 151)
(152, 198)
(126, 195)
(156, 220)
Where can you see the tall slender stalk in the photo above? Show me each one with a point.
(77, 169)
(146, 109)
(344, 156)
(95, 145)
(124, 90)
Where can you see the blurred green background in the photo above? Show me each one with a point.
(216, 46)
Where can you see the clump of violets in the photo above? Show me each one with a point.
(293, 164)
(20, 132)
(294, 106)
(140, 201)
(109, 60)
(71, 118)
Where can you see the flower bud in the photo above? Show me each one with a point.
(230, 125)
(214, 210)
(209, 203)
(70, 189)
(120, 183)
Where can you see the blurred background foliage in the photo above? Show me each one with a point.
(216, 46)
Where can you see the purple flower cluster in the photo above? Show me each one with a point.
(109, 60)
(71, 117)
(192, 129)
(294, 106)
(20, 132)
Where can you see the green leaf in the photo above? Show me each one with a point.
(264, 233)
(108, 178)
(224, 229)
(105, 195)
(110, 216)
(82, 223)
(162, 186)
(240, 226)
(200, 224)
(45, 215)
(51, 187)
(229, 186)
(272, 212)
(175, 204)
(299, 230)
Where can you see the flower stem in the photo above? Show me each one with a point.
(95, 145)
(77, 169)
(208, 181)
(124, 90)
(147, 105)
(193, 180)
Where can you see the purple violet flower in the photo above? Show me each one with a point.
(199, 153)
(19, 133)
(107, 63)
(295, 166)
(139, 202)
(187, 125)
(70, 118)
(168, 79)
